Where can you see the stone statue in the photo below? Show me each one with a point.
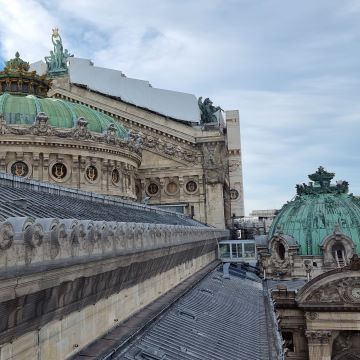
(56, 62)
(208, 111)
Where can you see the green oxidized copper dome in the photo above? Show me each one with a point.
(22, 110)
(316, 211)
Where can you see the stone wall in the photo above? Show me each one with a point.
(24, 241)
(62, 337)
(65, 282)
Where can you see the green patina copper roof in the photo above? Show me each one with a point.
(22, 110)
(315, 212)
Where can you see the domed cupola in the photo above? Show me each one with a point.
(18, 80)
(320, 211)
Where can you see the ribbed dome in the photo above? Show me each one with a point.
(22, 110)
(315, 212)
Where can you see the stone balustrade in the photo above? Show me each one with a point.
(25, 241)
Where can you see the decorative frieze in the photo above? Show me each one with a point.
(24, 240)
(80, 132)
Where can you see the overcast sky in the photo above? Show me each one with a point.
(292, 69)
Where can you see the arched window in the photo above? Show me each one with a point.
(281, 251)
(339, 254)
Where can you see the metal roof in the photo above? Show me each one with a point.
(174, 104)
(218, 319)
(43, 200)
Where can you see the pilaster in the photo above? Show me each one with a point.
(319, 344)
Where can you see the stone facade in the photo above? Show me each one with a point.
(74, 157)
(190, 168)
(280, 256)
(235, 163)
(322, 320)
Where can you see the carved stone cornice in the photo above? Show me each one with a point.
(41, 127)
(181, 147)
(107, 142)
(171, 149)
(318, 337)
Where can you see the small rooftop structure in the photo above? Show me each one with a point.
(237, 251)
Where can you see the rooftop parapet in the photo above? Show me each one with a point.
(49, 242)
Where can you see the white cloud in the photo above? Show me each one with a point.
(290, 68)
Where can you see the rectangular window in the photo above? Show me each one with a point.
(249, 250)
(224, 250)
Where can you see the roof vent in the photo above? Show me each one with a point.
(21, 203)
(217, 278)
(187, 314)
(207, 291)
(150, 353)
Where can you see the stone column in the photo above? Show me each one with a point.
(319, 344)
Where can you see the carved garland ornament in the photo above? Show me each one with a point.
(41, 127)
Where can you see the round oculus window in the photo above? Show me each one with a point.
(19, 168)
(153, 189)
(91, 173)
(234, 194)
(58, 171)
(191, 186)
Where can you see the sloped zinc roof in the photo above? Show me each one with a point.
(219, 319)
(24, 197)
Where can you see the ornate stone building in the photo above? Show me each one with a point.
(310, 259)
(99, 131)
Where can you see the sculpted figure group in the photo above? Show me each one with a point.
(56, 62)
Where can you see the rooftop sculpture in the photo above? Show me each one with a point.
(56, 62)
(322, 184)
(17, 64)
(208, 111)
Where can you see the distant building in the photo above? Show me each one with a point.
(264, 214)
